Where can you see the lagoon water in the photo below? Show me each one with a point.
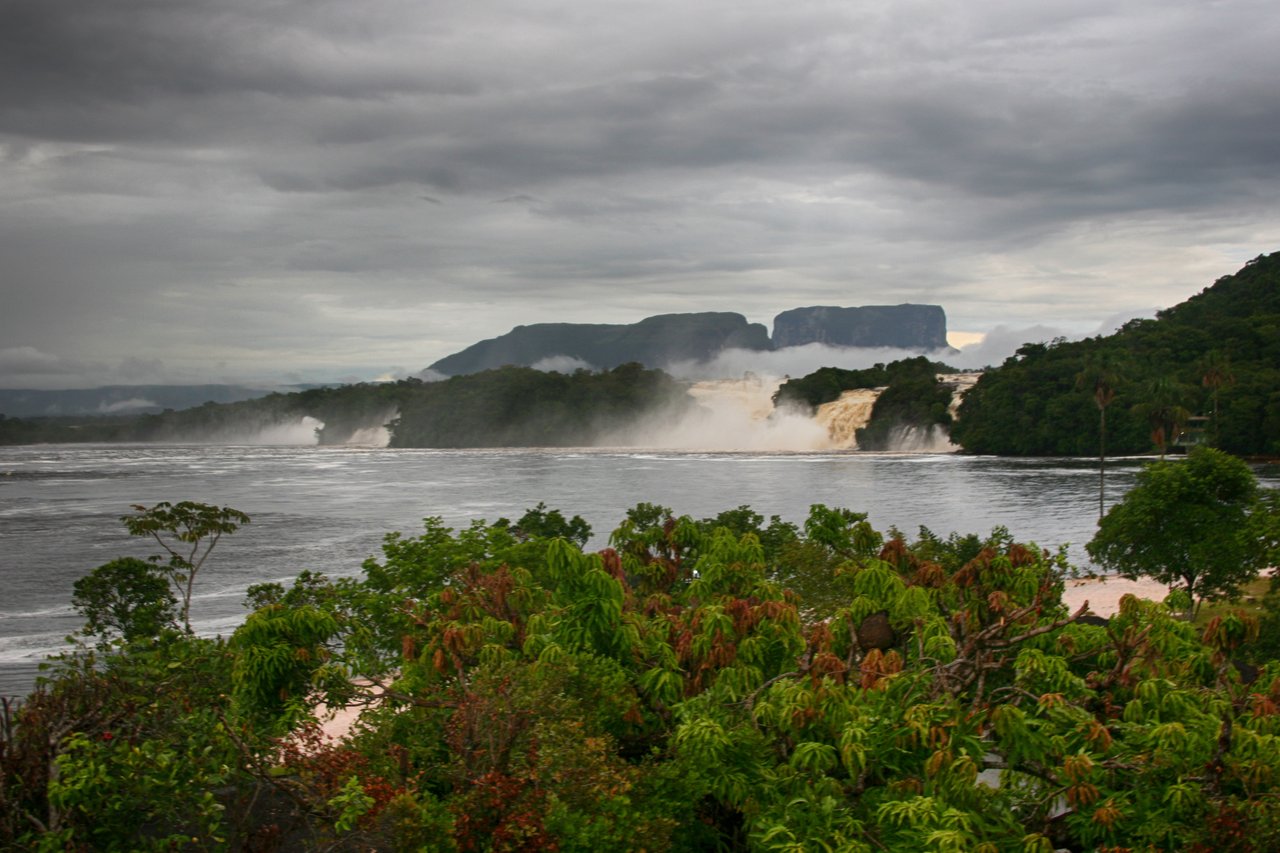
(327, 509)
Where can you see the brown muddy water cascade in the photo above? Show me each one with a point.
(843, 418)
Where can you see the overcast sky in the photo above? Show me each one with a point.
(268, 190)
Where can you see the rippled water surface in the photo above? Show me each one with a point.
(326, 509)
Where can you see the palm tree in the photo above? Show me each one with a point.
(1100, 376)
(1162, 407)
(1215, 374)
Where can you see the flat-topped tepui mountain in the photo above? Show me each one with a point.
(668, 338)
(653, 341)
(904, 326)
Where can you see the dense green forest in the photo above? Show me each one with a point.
(342, 409)
(523, 407)
(724, 684)
(508, 407)
(1215, 357)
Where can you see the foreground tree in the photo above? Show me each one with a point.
(126, 598)
(670, 692)
(1185, 523)
(188, 532)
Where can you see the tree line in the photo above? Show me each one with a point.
(506, 407)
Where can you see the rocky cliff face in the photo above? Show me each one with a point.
(904, 326)
(654, 342)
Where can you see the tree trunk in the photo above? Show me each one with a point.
(1102, 461)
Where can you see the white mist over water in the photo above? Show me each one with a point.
(374, 436)
(303, 432)
(796, 361)
(932, 439)
(732, 415)
(300, 433)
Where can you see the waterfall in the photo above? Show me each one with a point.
(750, 396)
(733, 414)
(913, 439)
(738, 415)
(959, 383)
(842, 418)
(293, 433)
(373, 436)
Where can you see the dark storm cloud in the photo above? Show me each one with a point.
(318, 184)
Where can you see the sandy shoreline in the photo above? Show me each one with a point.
(1105, 591)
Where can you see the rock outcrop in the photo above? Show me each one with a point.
(654, 342)
(904, 326)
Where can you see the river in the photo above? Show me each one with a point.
(326, 509)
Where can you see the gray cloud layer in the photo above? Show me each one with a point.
(226, 189)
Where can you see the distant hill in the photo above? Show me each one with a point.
(1218, 351)
(653, 342)
(903, 326)
(125, 399)
(669, 338)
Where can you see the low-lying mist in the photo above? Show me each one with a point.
(732, 414)
(300, 432)
(797, 361)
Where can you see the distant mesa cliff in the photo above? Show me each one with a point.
(668, 338)
(901, 326)
(654, 341)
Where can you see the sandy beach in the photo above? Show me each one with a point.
(1104, 592)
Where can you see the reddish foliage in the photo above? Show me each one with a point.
(775, 609)
(1021, 556)
(825, 664)
(930, 575)
(820, 639)
(743, 615)
(324, 767)
(1228, 831)
(613, 565)
(501, 813)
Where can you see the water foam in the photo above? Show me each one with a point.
(373, 436)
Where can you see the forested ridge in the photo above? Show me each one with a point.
(523, 407)
(1215, 356)
(506, 407)
(723, 684)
